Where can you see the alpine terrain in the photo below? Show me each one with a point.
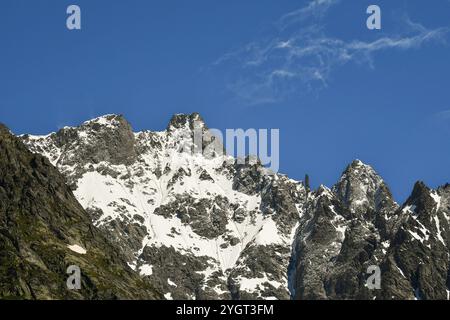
(202, 225)
(44, 231)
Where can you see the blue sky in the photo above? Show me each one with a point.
(336, 90)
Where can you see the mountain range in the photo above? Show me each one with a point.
(145, 220)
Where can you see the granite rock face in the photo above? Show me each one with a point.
(356, 225)
(202, 225)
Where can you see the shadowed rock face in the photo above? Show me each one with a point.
(107, 139)
(357, 224)
(420, 248)
(162, 205)
(207, 227)
(39, 219)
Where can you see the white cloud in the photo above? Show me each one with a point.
(315, 9)
(282, 64)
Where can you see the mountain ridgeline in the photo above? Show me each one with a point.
(159, 223)
(41, 227)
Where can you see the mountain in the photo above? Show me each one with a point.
(197, 227)
(202, 225)
(357, 224)
(44, 230)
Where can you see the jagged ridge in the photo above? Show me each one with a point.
(208, 227)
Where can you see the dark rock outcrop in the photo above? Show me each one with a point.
(39, 219)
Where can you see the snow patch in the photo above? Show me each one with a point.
(436, 199)
(438, 228)
(76, 248)
(409, 209)
(401, 271)
(268, 234)
(171, 283)
(168, 296)
(255, 284)
(146, 270)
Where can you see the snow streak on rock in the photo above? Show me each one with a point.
(206, 227)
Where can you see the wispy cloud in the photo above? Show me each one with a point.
(315, 9)
(294, 62)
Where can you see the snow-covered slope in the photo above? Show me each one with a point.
(160, 202)
(203, 226)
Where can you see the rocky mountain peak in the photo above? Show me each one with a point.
(206, 227)
(362, 190)
(420, 189)
(324, 191)
(359, 170)
(423, 201)
(109, 121)
(182, 120)
(99, 130)
(106, 139)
